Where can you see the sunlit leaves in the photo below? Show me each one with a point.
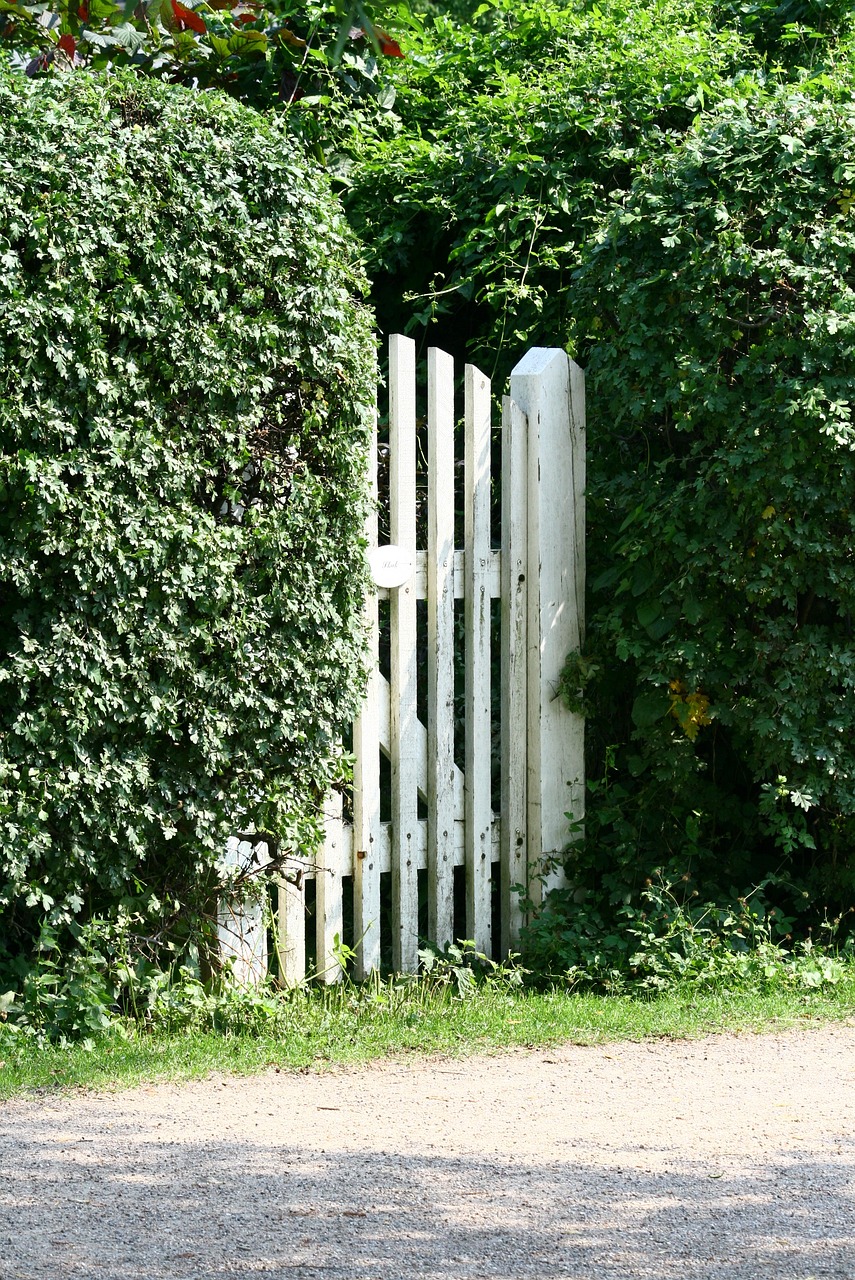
(201, 44)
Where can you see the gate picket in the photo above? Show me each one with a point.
(366, 776)
(402, 525)
(513, 671)
(440, 655)
(291, 930)
(476, 599)
(329, 902)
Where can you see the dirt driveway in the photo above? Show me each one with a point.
(730, 1158)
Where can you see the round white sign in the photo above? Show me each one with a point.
(391, 566)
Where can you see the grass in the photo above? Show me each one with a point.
(318, 1029)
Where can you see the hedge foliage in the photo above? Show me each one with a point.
(512, 136)
(262, 53)
(508, 143)
(185, 365)
(718, 311)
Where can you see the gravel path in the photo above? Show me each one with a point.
(730, 1158)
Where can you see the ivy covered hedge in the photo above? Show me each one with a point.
(185, 365)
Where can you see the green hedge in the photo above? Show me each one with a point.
(717, 323)
(185, 370)
(506, 147)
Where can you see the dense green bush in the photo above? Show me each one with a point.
(506, 146)
(263, 52)
(184, 372)
(716, 317)
(657, 940)
(511, 137)
(784, 30)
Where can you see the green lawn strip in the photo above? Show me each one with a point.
(321, 1032)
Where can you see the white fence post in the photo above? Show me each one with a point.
(440, 655)
(550, 390)
(242, 917)
(329, 902)
(476, 608)
(513, 670)
(402, 522)
(291, 930)
(366, 774)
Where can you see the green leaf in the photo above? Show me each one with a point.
(649, 612)
(129, 37)
(648, 708)
(248, 44)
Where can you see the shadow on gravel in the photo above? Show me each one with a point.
(129, 1207)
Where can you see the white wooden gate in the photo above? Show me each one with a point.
(441, 816)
